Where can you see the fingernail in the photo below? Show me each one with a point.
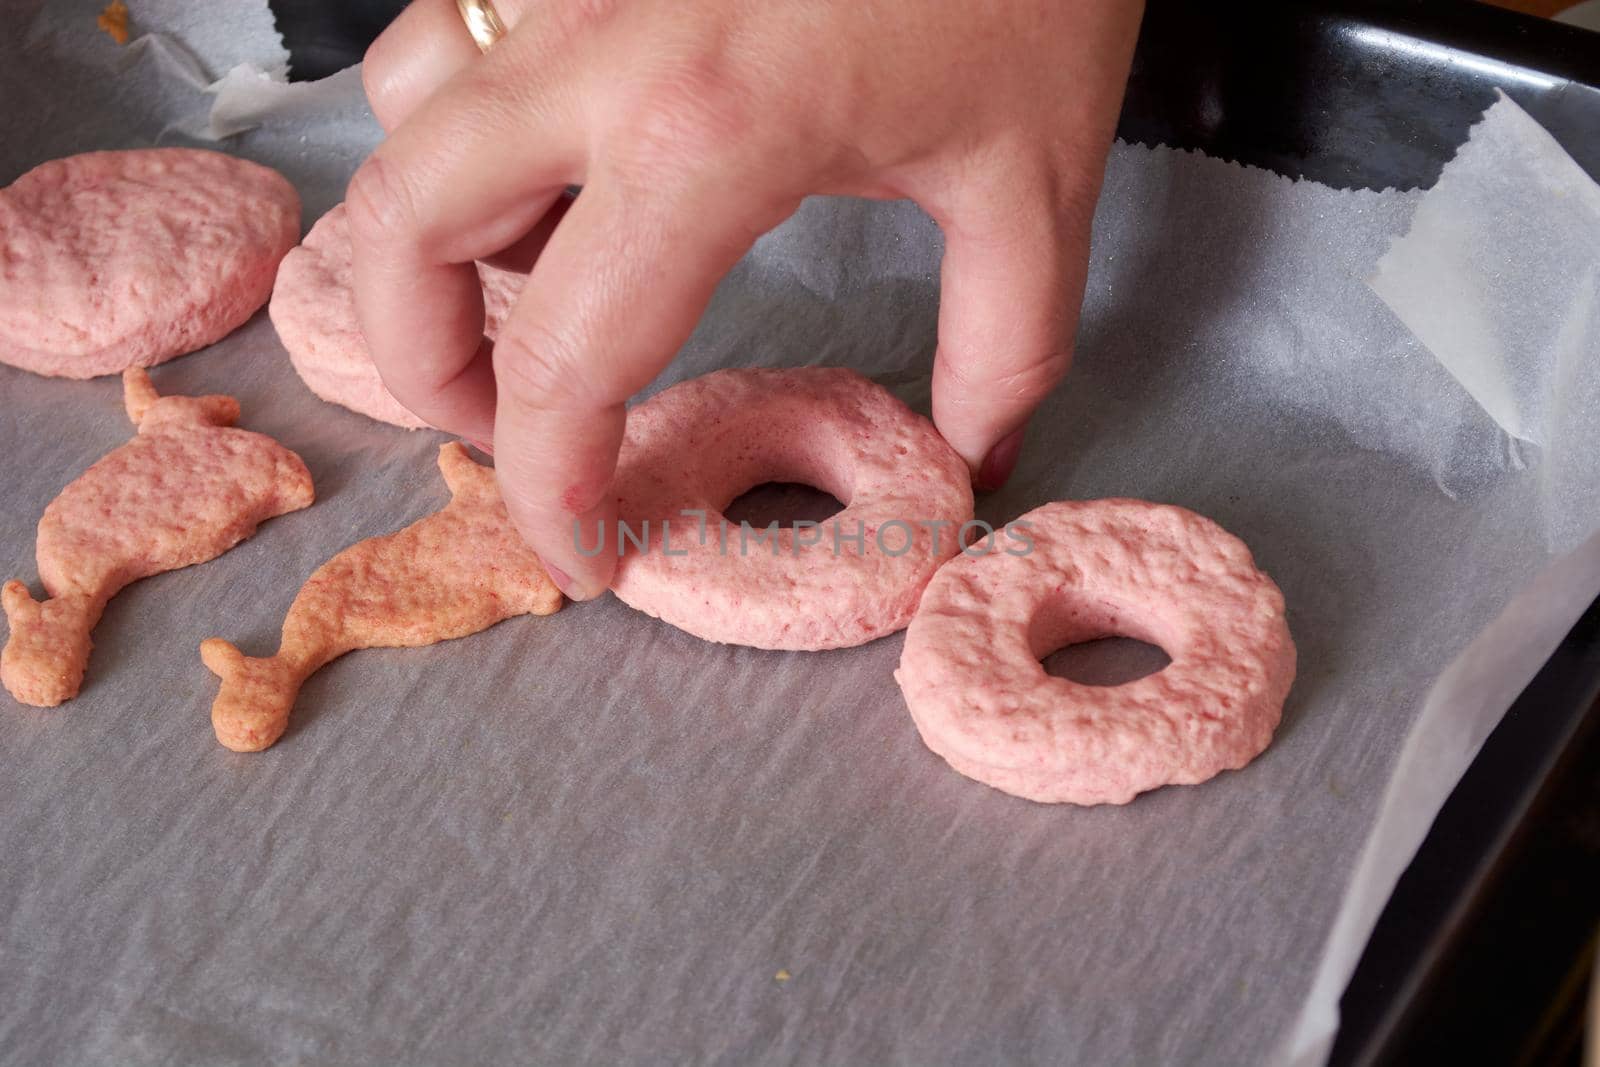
(1001, 461)
(561, 578)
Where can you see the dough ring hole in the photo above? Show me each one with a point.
(785, 503)
(1092, 643)
(779, 482)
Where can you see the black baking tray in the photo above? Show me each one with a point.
(1482, 952)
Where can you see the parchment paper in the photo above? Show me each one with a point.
(593, 838)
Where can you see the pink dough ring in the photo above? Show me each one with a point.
(703, 442)
(314, 311)
(972, 678)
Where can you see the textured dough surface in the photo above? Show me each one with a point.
(187, 487)
(314, 310)
(111, 260)
(971, 674)
(701, 443)
(455, 572)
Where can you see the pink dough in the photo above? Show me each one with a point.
(112, 260)
(187, 487)
(972, 678)
(703, 442)
(314, 311)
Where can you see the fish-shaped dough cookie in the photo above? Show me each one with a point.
(187, 487)
(455, 572)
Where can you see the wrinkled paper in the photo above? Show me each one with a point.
(593, 838)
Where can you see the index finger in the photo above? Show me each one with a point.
(615, 293)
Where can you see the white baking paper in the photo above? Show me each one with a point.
(594, 839)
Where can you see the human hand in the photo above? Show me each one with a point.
(695, 126)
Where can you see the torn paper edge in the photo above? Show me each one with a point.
(1229, 163)
(247, 96)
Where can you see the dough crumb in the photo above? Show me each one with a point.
(114, 21)
(782, 976)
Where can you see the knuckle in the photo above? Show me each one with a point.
(691, 112)
(1022, 381)
(384, 77)
(1033, 376)
(559, 26)
(425, 382)
(534, 367)
(404, 382)
(583, 15)
(380, 66)
(373, 82)
(378, 204)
